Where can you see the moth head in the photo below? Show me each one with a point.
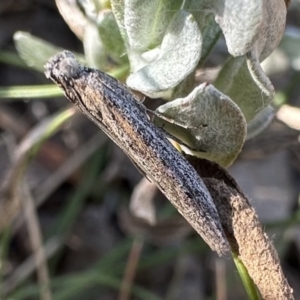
(63, 69)
(62, 66)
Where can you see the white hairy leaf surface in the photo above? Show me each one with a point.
(111, 37)
(244, 81)
(180, 52)
(210, 33)
(271, 29)
(214, 127)
(252, 24)
(240, 22)
(260, 122)
(145, 22)
(94, 50)
(117, 7)
(25, 44)
(91, 8)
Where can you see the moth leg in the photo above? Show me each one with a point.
(179, 141)
(172, 121)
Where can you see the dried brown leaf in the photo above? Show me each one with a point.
(244, 231)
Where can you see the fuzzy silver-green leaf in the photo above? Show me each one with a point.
(244, 81)
(209, 124)
(179, 55)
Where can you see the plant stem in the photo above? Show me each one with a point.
(246, 279)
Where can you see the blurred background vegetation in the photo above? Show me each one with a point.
(82, 242)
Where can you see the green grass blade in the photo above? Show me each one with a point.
(12, 59)
(46, 90)
(30, 91)
(246, 279)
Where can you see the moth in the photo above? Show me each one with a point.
(116, 111)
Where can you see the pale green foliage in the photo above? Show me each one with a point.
(156, 16)
(165, 42)
(177, 57)
(243, 79)
(93, 47)
(205, 105)
(102, 39)
(240, 22)
(35, 52)
(251, 30)
(93, 7)
(110, 36)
